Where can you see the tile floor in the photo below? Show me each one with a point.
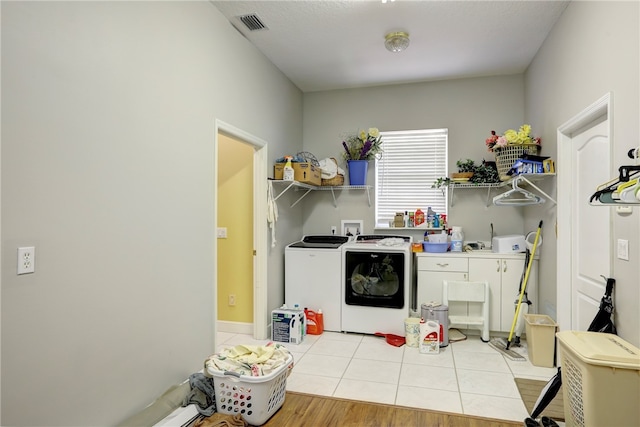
(467, 377)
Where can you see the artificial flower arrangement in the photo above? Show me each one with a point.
(511, 137)
(363, 146)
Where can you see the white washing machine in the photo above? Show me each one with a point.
(376, 284)
(312, 278)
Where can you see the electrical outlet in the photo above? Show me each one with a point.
(222, 232)
(26, 260)
(334, 229)
(232, 300)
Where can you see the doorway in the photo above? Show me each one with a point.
(259, 228)
(584, 231)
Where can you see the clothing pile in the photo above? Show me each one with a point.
(249, 360)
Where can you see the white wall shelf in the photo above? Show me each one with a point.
(299, 186)
(526, 178)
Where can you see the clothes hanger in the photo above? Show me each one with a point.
(608, 192)
(629, 192)
(517, 197)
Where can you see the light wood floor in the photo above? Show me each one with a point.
(311, 411)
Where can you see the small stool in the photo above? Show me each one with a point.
(471, 293)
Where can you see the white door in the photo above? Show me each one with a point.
(591, 230)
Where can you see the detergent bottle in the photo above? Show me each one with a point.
(287, 172)
(419, 217)
(320, 320)
(315, 323)
(457, 239)
(430, 217)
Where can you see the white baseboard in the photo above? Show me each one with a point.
(235, 327)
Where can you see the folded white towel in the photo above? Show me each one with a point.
(330, 168)
(391, 241)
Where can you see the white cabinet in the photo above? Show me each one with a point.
(502, 271)
(504, 275)
(431, 271)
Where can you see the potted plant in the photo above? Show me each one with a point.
(358, 150)
(441, 182)
(486, 173)
(482, 174)
(466, 168)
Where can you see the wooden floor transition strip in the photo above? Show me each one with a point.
(530, 391)
(308, 410)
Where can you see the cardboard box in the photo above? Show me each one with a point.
(303, 172)
(287, 325)
(527, 166)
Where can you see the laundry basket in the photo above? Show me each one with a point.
(600, 379)
(506, 156)
(256, 399)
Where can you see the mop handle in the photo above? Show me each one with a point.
(524, 284)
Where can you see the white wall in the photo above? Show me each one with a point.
(108, 113)
(593, 49)
(469, 108)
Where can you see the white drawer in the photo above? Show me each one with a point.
(443, 264)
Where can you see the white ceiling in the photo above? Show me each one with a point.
(324, 45)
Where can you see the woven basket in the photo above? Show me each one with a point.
(336, 180)
(507, 156)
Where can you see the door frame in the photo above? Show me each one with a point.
(259, 226)
(602, 107)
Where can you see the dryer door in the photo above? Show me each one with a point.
(374, 279)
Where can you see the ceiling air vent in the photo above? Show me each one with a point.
(252, 22)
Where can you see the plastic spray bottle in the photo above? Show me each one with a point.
(287, 172)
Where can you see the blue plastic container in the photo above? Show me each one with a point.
(435, 247)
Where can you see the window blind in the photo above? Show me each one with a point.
(410, 163)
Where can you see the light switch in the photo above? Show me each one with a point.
(222, 232)
(623, 249)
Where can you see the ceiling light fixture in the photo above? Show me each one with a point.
(396, 42)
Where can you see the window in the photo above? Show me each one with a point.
(411, 161)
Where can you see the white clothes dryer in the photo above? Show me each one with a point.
(376, 284)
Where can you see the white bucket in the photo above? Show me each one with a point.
(412, 331)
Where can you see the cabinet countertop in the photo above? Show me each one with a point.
(475, 254)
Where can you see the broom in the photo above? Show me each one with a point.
(499, 344)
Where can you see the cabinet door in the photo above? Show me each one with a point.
(504, 277)
(512, 273)
(430, 284)
(489, 269)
